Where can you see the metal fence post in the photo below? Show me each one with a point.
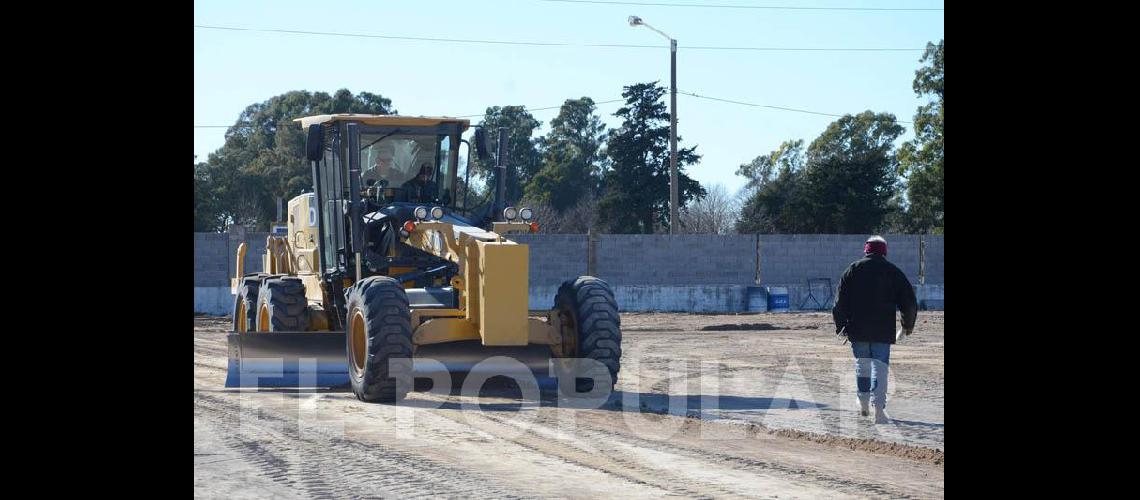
(591, 253)
(921, 260)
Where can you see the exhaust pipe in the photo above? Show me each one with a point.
(500, 177)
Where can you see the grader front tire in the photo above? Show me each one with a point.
(379, 340)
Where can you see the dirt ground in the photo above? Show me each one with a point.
(750, 405)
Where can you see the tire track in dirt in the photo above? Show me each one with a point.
(603, 433)
(607, 464)
(602, 448)
(815, 384)
(561, 477)
(327, 466)
(605, 439)
(209, 366)
(629, 452)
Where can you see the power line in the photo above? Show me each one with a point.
(798, 49)
(765, 7)
(547, 108)
(549, 44)
(387, 37)
(782, 108)
(691, 94)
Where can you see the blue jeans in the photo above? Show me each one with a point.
(872, 363)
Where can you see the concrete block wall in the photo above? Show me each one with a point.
(554, 258)
(215, 263)
(935, 258)
(693, 298)
(648, 272)
(791, 259)
(680, 298)
(210, 259)
(785, 259)
(688, 259)
(930, 297)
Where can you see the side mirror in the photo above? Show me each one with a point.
(315, 143)
(481, 144)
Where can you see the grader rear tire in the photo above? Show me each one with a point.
(589, 303)
(281, 306)
(379, 331)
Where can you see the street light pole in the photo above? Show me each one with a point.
(673, 197)
(673, 220)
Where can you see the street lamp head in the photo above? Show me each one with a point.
(634, 20)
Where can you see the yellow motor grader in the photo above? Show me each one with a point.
(383, 269)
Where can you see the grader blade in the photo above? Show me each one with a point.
(469, 358)
(317, 360)
(287, 359)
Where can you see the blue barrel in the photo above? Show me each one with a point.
(777, 299)
(757, 299)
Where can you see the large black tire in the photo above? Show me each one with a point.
(245, 304)
(589, 303)
(281, 306)
(378, 331)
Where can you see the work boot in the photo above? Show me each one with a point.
(864, 403)
(881, 416)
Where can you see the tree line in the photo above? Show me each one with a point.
(850, 179)
(582, 175)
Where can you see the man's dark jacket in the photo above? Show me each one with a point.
(869, 291)
(420, 191)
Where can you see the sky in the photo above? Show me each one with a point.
(234, 69)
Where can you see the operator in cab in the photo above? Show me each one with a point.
(421, 188)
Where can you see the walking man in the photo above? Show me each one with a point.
(870, 291)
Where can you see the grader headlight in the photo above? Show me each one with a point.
(526, 214)
(510, 213)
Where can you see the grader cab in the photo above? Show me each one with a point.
(386, 275)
